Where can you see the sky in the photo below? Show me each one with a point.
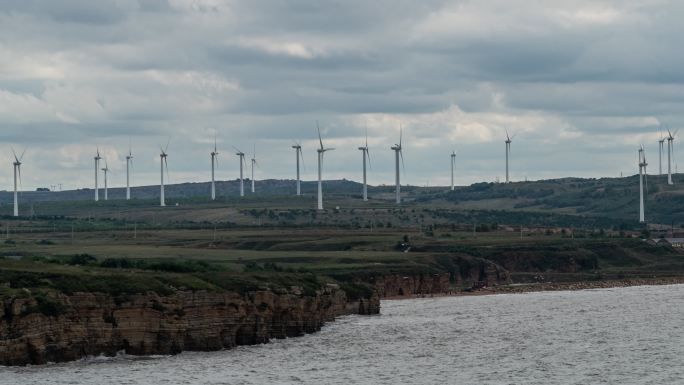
(581, 84)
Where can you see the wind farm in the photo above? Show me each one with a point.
(125, 258)
(297, 184)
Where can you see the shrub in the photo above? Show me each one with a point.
(357, 290)
(81, 259)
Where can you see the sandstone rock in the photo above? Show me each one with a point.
(93, 324)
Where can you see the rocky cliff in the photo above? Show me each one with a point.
(481, 273)
(57, 327)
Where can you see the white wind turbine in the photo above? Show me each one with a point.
(105, 170)
(97, 171)
(241, 155)
(214, 164)
(661, 144)
(509, 139)
(254, 164)
(163, 163)
(129, 164)
(398, 154)
(366, 158)
(453, 163)
(320, 151)
(298, 149)
(670, 154)
(642, 175)
(17, 173)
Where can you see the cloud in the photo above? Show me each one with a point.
(580, 82)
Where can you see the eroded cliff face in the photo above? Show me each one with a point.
(483, 273)
(85, 324)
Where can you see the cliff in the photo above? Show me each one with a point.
(58, 327)
(478, 273)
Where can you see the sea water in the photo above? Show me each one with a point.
(609, 336)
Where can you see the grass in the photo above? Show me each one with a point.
(121, 248)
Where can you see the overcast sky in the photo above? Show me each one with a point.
(580, 83)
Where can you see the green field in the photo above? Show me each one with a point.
(124, 247)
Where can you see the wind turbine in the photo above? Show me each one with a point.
(398, 154)
(129, 164)
(163, 163)
(642, 175)
(366, 158)
(509, 139)
(453, 162)
(670, 154)
(254, 163)
(320, 151)
(298, 149)
(97, 171)
(241, 155)
(105, 170)
(661, 144)
(214, 163)
(17, 172)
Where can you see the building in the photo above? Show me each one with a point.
(677, 243)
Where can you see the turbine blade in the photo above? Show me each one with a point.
(400, 134)
(319, 135)
(301, 154)
(15, 154)
(507, 136)
(401, 155)
(368, 155)
(167, 144)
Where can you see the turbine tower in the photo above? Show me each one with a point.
(105, 170)
(661, 144)
(97, 171)
(509, 139)
(453, 162)
(366, 158)
(398, 154)
(298, 149)
(214, 164)
(320, 151)
(241, 155)
(642, 175)
(670, 153)
(17, 173)
(129, 163)
(163, 163)
(254, 163)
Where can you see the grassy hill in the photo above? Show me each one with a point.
(606, 203)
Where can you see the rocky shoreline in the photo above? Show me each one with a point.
(549, 286)
(58, 328)
(35, 329)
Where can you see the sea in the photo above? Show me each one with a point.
(632, 335)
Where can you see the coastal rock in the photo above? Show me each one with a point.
(483, 272)
(86, 324)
